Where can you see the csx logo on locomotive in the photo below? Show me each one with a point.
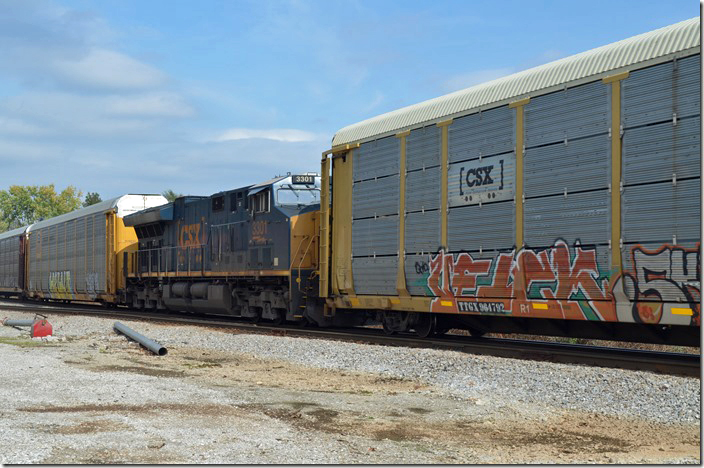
(190, 235)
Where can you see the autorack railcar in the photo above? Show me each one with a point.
(564, 199)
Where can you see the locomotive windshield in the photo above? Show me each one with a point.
(296, 194)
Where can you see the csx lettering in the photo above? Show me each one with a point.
(479, 176)
(190, 235)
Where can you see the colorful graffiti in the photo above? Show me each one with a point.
(669, 274)
(568, 282)
(504, 284)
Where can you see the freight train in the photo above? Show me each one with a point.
(561, 200)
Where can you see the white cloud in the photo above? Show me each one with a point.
(102, 68)
(466, 80)
(154, 104)
(288, 135)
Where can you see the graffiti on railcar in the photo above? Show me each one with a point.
(570, 274)
(572, 282)
(669, 273)
(60, 284)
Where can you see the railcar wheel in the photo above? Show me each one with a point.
(426, 325)
(476, 333)
(387, 329)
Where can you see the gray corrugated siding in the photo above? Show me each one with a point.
(482, 134)
(377, 158)
(585, 216)
(423, 148)
(647, 263)
(423, 190)
(375, 236)
(417, 268)
(10, 262)
(654, 94)
(80, 251)
(573, 113)
(375, 197)
(656, 152)
(580, 165)
(489, 227)
(422, 232)
(375, 275)
(656, 212)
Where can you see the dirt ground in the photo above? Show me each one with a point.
(367, 418)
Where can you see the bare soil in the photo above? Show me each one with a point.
(366, 414)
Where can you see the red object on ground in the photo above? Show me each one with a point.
(41, 328)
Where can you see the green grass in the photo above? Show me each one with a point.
(23, 342)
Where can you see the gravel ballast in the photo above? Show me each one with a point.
(86, 384)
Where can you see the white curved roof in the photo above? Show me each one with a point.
(14, 232)
(682, 37)
(123, 205)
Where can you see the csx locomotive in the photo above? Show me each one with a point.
(561, 200)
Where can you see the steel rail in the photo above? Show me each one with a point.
(599, 356)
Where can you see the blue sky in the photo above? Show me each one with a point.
(118, 96)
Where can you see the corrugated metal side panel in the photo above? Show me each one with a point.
(423, 148)
(552, 275)
(423, 190)
(574, 113)
(656, 152)
(422, 232)
(678, 37)
(580, 165)
(481, 134)
(375, 197)
(585, 217)
(375, 236)
(417, 269)
(688, 92)
(377, 158)
(9, 262)
(661, 272)
(99, 249)
(487, 227)
(80, 279)
(657, 212)
(375, 275)
(655, 93)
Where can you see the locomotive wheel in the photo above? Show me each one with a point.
(280, 317)
(426, 325)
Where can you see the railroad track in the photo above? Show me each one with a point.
(661, 362)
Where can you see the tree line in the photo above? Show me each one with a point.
(21, 205)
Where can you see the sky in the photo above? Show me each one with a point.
(134, 96)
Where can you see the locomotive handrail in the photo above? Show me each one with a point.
(310, 242)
